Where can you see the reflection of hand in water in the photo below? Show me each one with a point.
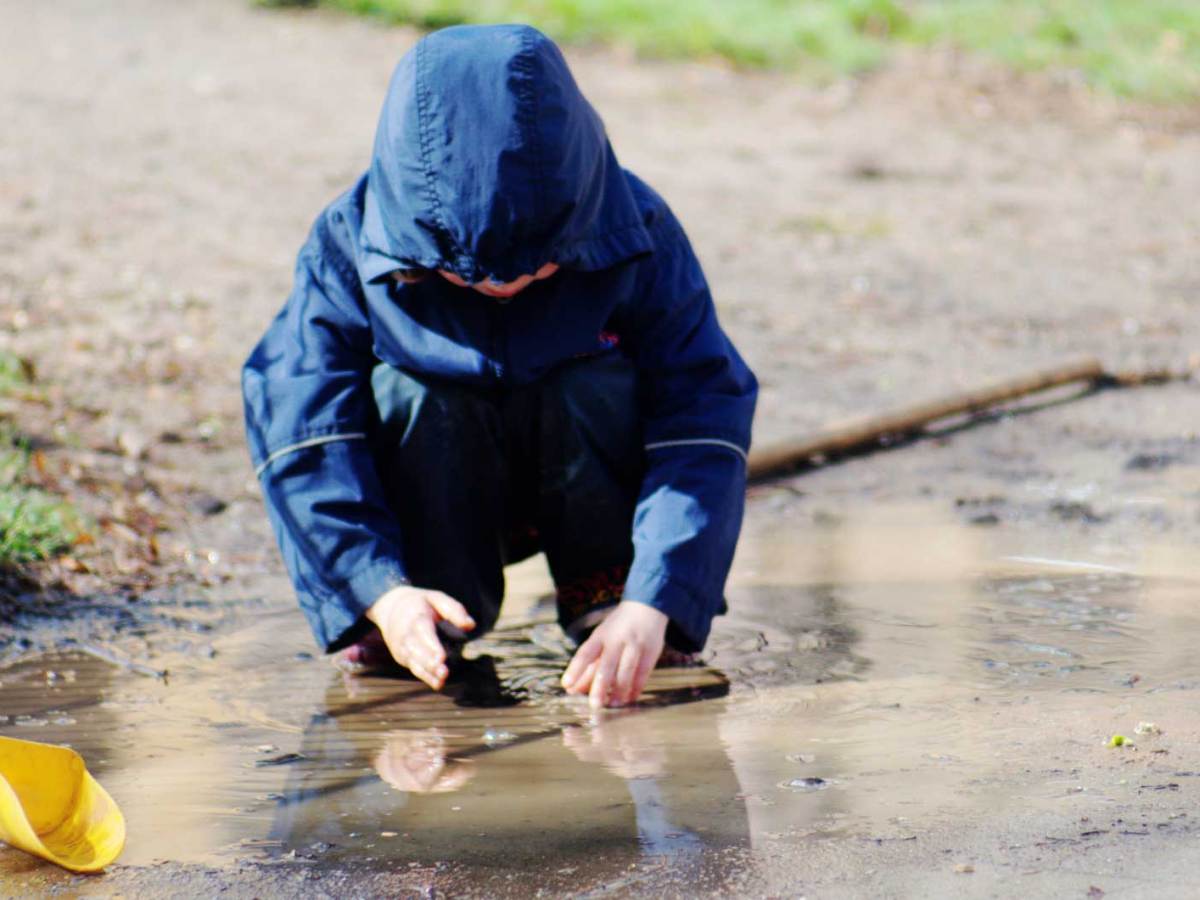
(416, 761)
(631, 745)
(627, 744)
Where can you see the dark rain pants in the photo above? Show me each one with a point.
(480, 477)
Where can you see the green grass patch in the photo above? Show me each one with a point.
(16, 373)
(824, 35)
(1135, 48)
(1139, 48)
(34, 524)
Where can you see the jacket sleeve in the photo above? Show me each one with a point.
(697, 398)
(309, 411)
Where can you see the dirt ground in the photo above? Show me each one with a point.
(871, 242)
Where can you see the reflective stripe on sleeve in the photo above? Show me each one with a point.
(311, 442)
(728, 445)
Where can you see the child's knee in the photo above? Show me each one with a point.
(406, 404)
(608, 381)
(591, 408)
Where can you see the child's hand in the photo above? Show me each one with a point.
(612, 665)
(407, 617)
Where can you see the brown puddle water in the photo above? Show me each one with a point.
(877, 675)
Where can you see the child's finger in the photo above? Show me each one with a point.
(451, 610)
(426, 666)
(646, 664)
(606, 671)
(431, 678)
(583, 683)
(420, 655)
(425, 640)
(422, 659)
(623, 685)
(398, 648)
(431, 671)
(583, 658)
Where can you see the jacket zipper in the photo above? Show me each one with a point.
(499, 316)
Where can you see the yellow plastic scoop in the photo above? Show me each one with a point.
(51, 807)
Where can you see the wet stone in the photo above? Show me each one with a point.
(807, 785)
(282, 760)
(1149, 462)
(1074, 511)
(207, 505)
(494, 736)
(985, 519)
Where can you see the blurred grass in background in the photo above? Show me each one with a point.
(1148, 49)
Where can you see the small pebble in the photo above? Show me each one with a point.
(807, 784)
(498, 736)
(208, 505)
(283, 760)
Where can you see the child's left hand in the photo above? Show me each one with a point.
(612, 665)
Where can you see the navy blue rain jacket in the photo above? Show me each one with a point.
(488, 163)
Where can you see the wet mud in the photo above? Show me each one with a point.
(884, 679)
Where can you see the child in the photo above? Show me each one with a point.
(500, 342)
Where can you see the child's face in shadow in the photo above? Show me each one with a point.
(503, 290)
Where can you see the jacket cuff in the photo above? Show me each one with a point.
(691, 618)
(344, 621)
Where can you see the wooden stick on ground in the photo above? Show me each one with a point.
(789, 455)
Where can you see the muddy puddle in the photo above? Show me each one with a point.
(879, 676)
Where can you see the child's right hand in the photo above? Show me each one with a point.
(407, 617)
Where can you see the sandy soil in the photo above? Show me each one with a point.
(871, 242)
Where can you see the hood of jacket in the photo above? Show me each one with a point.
(488, 163)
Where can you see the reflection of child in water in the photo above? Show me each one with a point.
(500, 342)
(641, 782)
